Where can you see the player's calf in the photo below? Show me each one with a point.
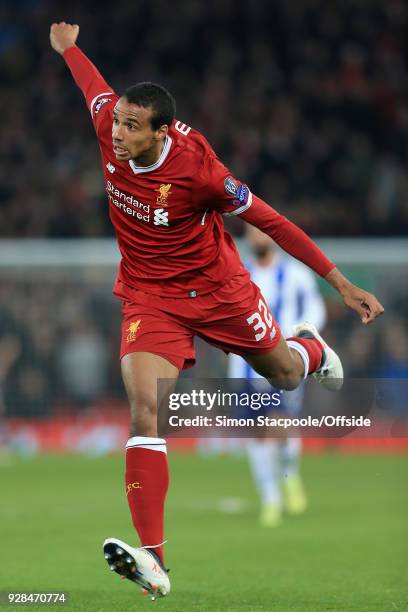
(287, 379)
(282, 367)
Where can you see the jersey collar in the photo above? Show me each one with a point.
(158, 163)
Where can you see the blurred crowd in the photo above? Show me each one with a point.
(307, 101)
(60, 335)
(59, 342)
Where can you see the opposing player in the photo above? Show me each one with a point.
(181, 276)
(292, 295)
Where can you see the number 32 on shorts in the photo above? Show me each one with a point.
(261, 321)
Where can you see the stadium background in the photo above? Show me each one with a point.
(307, 101)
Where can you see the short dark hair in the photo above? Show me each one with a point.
(155, 96)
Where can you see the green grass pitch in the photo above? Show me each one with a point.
(347, 553)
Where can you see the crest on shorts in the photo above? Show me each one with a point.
(164, 192)
(132, 330)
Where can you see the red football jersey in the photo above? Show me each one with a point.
(168, 216)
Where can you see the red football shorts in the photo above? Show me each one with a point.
(234, 318)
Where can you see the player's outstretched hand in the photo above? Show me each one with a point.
(364, 303)
(63, 36)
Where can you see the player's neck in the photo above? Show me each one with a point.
(150, 157)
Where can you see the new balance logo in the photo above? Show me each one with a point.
(157, 569)
(110, 167)
(161, 217)
(182, 128)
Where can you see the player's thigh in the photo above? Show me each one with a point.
(147, 377)
(236, 319)
(148, 328)
(273, 364)
(154, 348)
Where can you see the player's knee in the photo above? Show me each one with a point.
(289, 384)
(143, 410)
(287, 378)
(143, 423)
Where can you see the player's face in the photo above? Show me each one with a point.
(132, 133)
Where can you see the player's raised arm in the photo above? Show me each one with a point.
(63, 37)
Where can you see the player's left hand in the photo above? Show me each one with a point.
(364, 303)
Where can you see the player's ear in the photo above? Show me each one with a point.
(161, 133)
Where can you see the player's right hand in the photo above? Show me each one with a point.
(63, 36)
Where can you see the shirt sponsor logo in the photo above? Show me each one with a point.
(133, 207)
(100, 103)
(164, 192)
(161, 217)
(129, 204)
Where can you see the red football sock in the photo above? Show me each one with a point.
(147, 481)
(310, 350)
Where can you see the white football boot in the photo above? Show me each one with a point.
(330, 373)
(141, 565)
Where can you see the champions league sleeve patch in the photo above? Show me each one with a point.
(100, 103)
(242, 194)
(99, 100)
(242, 197)
(231, 186)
